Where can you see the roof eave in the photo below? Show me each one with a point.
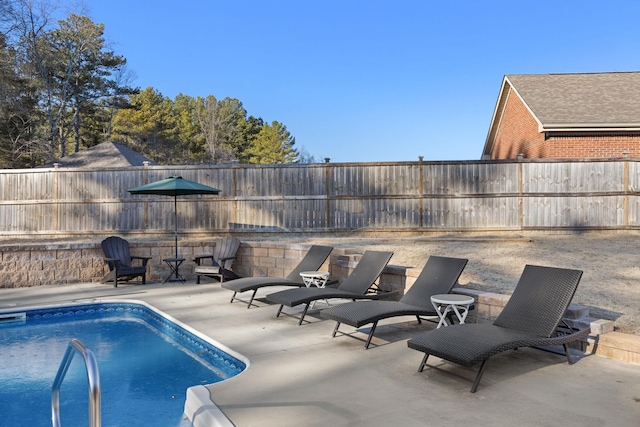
(495, 118)
(590, 127)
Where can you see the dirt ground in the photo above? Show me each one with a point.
(610, 284)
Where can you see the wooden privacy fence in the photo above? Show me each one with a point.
(404, 196)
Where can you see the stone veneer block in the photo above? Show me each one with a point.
(276, 252)
(41, 277)
(295, 254)
(30, 266)
(276, 272)
(483, 311)
(469, 292)
(14, 256)
(576, 311)
(8, 267)
(601, 326)
(260, 271)
(616, 345)
(620, 340)
(267, 262)
(394, 280)
(69, 254)
(493, 299)
(268, 244)
(259, 252)
(43, 255)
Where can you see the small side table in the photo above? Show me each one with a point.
(445, 303)
(317, 279)
(314, 278)
(174, 265)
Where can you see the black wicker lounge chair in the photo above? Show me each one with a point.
(313, 260)
(438, 276)
(354, 286)
(531, 318)
(120, 261)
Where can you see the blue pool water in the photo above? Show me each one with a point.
(146, 364)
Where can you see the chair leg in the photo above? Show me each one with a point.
(252, 297)
(423, 363)
(567, 353)
(198, 281)
(476, 382)
(419, 320)
(335, 330)
(279, 310)
(373, 329)
(233, 297)
(304, 313)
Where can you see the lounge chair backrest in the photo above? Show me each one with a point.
(439, 276)
(117, 248)
(225, 248)
(540, 299)
(366, 272)
(312, 261)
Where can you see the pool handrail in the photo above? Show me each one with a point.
(93, 377)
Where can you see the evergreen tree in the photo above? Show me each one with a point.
(273, 145)
(147, 126)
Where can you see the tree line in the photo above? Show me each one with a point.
(63, 90)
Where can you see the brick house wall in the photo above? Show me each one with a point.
(518, 133)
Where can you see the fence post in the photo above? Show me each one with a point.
(145, 204)
(421, 191)
(234, 191)
(520, 197)
(625, 198)
(327, 187)
(55, 196)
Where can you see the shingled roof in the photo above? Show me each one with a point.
(573, 103)
(106, 154)
(580, 101)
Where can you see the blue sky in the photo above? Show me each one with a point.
(367, 81)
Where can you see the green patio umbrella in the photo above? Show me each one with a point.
(174, 186)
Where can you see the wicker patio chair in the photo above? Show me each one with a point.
(531, 318)
(354, 286)
(439, 276)
(313, 260)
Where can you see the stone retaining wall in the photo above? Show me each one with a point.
(59, 264)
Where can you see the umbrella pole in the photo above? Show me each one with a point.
(175, 233)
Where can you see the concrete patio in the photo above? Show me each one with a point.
(299, 375)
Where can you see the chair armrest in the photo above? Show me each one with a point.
(144, 259)
(198, 259)
(114, 261)
(227, 258)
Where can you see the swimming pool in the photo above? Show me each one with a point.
(147, 361)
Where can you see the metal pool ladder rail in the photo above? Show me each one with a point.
(93, 375)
